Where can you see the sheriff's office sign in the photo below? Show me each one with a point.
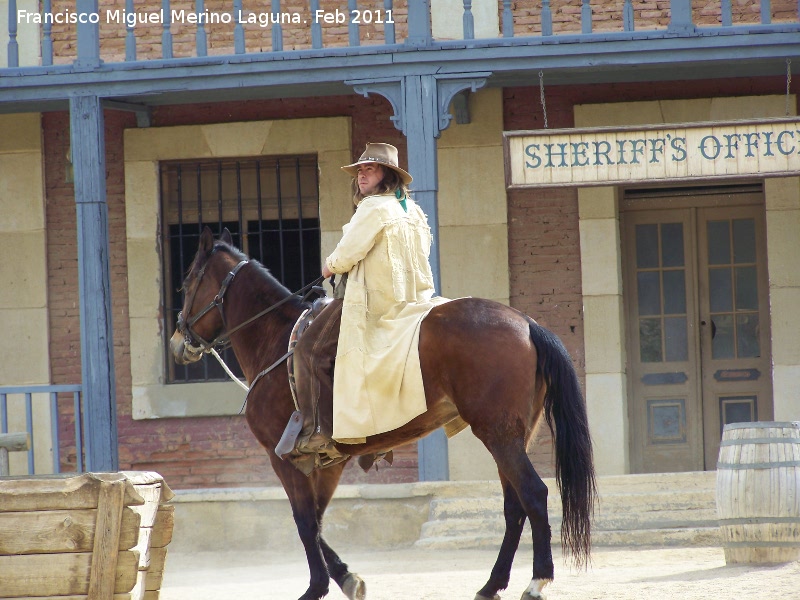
(652, 153)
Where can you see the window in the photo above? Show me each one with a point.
(271, 207)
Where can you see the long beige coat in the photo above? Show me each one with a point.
(377, 382)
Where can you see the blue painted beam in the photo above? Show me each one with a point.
(87, 144)
(421, 117)
(638, 56)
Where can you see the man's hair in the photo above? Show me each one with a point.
(390, 183)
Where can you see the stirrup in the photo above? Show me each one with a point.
(289, 438)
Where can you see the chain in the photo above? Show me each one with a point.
(788, 82)
(541, 97)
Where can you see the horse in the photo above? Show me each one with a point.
(491, 365)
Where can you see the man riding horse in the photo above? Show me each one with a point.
(357, 365)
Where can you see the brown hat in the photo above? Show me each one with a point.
(383, 154)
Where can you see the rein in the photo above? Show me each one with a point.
(195, 341)
(185, 327)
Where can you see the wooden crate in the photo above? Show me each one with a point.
(97, 535)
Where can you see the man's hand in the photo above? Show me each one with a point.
(326, 272)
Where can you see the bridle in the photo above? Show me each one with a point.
(195, 342)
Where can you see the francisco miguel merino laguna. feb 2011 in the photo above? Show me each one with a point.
(158, 17)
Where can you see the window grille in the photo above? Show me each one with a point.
(271, 207)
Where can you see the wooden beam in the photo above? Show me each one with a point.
(422, 128)
(15, 442)
(55, 531)
(97, 347)
(568, 59)
(57, 493)
(67, 574)
(12, 442)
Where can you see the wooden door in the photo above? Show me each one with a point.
(734, 321)
(698, 327)
(663, 353)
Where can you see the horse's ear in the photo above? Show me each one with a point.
(206, 241)
(226, 237)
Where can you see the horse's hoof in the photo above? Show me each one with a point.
(354, 587)
(534, 591)
(482, 597)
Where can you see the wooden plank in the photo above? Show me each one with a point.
(66, 574)
(52, 531)
(163, 527)
(59, 493)
(15, 442)
(106, 539)
(155, 573)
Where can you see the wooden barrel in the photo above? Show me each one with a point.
(758, 492)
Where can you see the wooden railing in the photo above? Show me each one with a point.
(28, 395)
(83, 34)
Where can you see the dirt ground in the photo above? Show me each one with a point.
(414, 574)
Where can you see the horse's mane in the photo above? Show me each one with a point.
(262, 271)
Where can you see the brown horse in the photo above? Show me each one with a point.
(488, 363)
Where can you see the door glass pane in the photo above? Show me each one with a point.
(746, 288)
(674, 292)
(649, 289)
(719, 245)
(744, 241)
(747, 345)
(650, 340)
(647, 246)
(672, 245)
(676, 339)
(722, 342)
(720, 290)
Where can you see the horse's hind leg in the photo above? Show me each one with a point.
(515, 521)
(509, 454)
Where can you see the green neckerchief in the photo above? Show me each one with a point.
(402, 197)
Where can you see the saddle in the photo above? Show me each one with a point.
(285, 448)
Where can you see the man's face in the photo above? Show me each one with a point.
(369, 176)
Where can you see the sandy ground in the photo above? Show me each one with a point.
(412, 574)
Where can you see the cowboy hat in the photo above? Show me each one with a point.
(383, 154)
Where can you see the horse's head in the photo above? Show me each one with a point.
(201, 320)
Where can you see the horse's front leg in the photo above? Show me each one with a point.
(302, 499)
(325, 482)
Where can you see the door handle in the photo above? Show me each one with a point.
(713, 327)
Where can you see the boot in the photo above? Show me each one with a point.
(314, 355)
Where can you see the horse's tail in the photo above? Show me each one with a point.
(565, 413)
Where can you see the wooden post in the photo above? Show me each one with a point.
(419, 23)
(12, 442)
(97, 348)
(422, 116)
(88, 30)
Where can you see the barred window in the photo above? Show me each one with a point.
(271, 207)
